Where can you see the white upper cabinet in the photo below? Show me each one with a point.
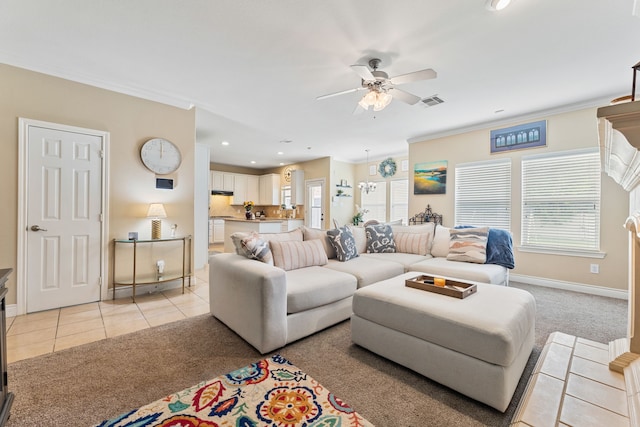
(270, 190)
(240, 189)
(297, 187)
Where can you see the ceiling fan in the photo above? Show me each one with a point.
(380, 88)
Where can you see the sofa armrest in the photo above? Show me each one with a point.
(250, 297)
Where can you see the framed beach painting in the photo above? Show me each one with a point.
(528, 135)
(430, 178)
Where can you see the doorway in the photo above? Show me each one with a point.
(61, 215)
(314, 208)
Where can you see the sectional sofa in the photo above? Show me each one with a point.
(278, 288)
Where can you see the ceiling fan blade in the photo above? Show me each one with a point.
(338, 93)
(404, 96)
(414, 77)
(364, 72)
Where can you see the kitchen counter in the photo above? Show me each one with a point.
(278, 220)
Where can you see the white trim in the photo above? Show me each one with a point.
(12, 310)
(598, 102)
(570, 286)
(23, 174)
(564, 252)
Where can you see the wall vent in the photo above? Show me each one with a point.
(431, 101)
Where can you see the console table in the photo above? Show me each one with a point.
(155, 278)
(6, 397)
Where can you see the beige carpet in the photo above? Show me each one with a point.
(87, 384)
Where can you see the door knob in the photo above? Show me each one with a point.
(37, 228)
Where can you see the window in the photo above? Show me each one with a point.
(376, 203)
(399, 200)
(286, 197)
(561, 201)
(483, 194)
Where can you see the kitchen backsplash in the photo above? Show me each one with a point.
(220, 206)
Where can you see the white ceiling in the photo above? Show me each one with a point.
(253, 68)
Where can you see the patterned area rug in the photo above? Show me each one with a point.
(271, 393)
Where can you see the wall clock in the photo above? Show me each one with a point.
(160, 156)
(387, 168)
(287, 174)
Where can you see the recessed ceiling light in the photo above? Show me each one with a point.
(225, 142)
(280, 153)
(497, 4)
(281, 163)
(253, 162)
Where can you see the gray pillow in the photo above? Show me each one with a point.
(343, 242)
(380, 239)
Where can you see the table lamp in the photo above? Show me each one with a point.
(156, 211)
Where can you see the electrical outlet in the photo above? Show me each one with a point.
(595, 268)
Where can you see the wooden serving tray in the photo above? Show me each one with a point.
(452, 288)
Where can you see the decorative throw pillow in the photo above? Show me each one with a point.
(411, 243)
(380, 239)
(282, 237)
(360, 237)
(414, 239)
(343, 243)
(255, 248)
(236, 239)
(441, 239)
(313, 234)
(468, 244)
(291, 255)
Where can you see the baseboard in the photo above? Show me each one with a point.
(570, 286)
(12, 310)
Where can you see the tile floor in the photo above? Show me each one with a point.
(45, 332)
(572, 385)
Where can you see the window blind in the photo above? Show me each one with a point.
(483, 194)
(561, 200)
(376, 203)
(399, 200)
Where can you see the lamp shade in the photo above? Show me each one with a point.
(156, 210)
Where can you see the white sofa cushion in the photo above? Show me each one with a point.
(283, 237)
(440, 247)
(312, 287)
(292, 255)
(407, 260)
(484, 273)
(367, 270)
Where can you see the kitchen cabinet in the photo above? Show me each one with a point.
(290, 224)
(218, 230)
(239, 189)
(269, 190)
(253, 188)
(221, 181)
(297, 187)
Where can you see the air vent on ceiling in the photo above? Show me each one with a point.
(431, 101)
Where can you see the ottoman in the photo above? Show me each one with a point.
(477, 346)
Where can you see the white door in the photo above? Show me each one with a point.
(314, 208)
(63, 217)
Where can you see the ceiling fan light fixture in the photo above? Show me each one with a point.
(385, 98)
(495, 5)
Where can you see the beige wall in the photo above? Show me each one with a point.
(362, 174)
(129, 120)
(565, 131)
